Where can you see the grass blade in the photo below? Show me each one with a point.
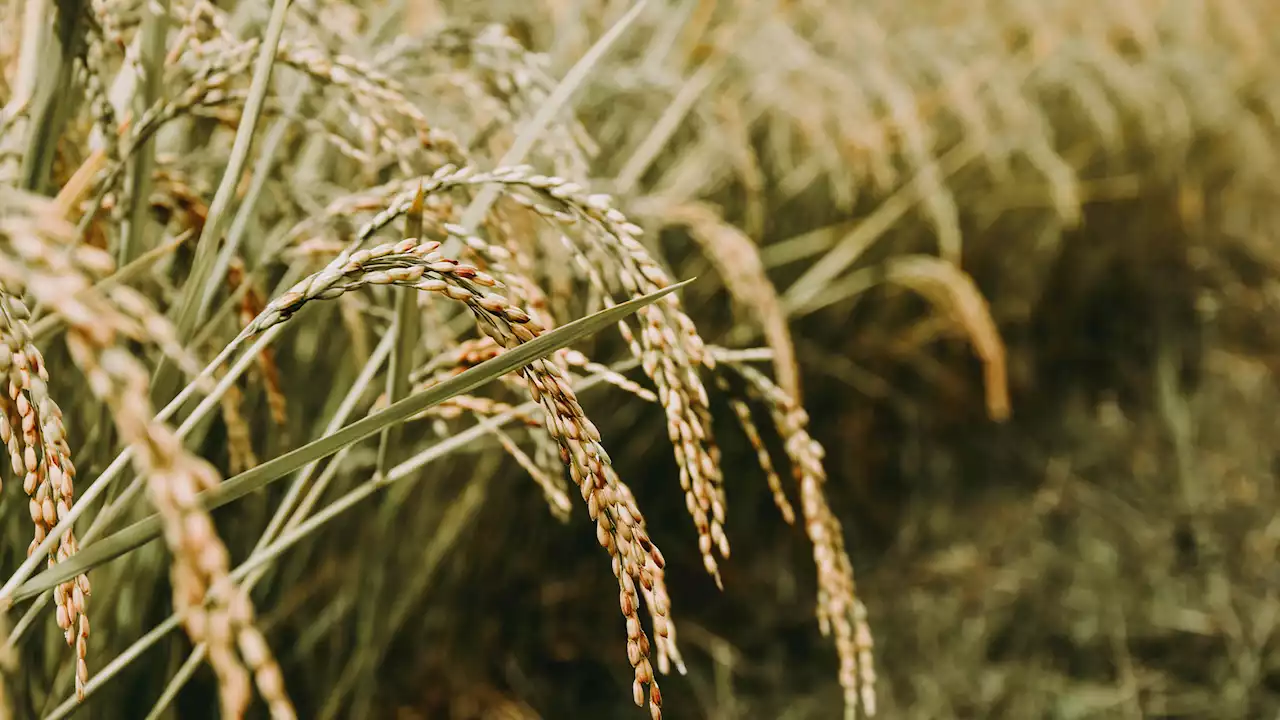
(190, 306)
(408, 336)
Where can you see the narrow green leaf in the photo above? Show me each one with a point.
(51, 106)
(408, 336)
(190, 307)
(259, 477)
(155, 27)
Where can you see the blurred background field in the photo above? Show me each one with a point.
(1018, 258)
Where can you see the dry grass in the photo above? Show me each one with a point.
(1017, 253)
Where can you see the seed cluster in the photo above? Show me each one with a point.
(748, 423)
(373, 117)
(32, 429)
(35, 256)
(667, 343)
(637, 563)
(840, 612)
(252, 303)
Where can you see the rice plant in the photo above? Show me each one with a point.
(184, 217)
(424, 261)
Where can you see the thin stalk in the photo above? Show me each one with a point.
(533, 130)
(457, 518)
(406, 328)
(189, 305)
(51, 102)
(362, 382)
(261, 174)
(155, 26)
(693, 90)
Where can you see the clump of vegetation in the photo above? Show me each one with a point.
(1009, 261)
(201, 185)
